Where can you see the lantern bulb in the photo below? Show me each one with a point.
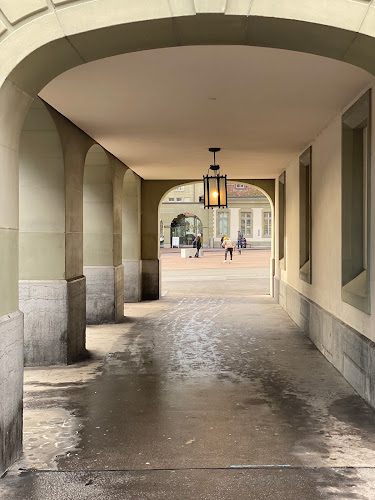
(215, 194)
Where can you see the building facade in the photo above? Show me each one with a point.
(249, 212)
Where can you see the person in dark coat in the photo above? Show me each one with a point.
(197, 244)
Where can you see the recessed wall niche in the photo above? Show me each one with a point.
(356, 204)
(305, 269)
(282, 220)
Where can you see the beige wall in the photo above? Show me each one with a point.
(98, 209)
(131, 216)
(189, 193)
(13, 105)
(42, 197)
(325, 289)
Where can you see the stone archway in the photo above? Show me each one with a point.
(40, 40)
(183, 226)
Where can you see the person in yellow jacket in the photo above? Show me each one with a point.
(229, 246)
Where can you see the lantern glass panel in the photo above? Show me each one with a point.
(213, 191)
(223, 191)
(205, 183)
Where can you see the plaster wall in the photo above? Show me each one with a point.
(52, 152)
(42, 197)
(131, 216)
(235, 225)
(257, 224)
(11, 387)
(325, 290)
(14, 105)
(98, 209)
(131, 236)
(102, 239)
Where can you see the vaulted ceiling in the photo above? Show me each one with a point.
(159, 110)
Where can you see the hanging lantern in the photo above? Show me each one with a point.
(215, 186)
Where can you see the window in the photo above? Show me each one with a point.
(223, 223)
(305, 216)
(239, 186)
(282, 218)
(186, 200)
(170, 199)
(181, 188)
(267, 221)
(178, 199)
(247, 224)
(356, 204)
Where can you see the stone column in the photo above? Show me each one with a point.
(151, 194)
(206, 238)
(52, 288)
(167, 236)
(151, 279)
(131, 236)
(119, 170)
(102, 224)
(13, 106)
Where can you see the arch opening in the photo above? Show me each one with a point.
(184, 227)
(248, 222)
(54, 57)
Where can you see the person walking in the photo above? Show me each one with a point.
(197, 244)
(239, 239)
(229, 246)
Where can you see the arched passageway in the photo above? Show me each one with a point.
(183, 227)
(247, 221)
(57, 42)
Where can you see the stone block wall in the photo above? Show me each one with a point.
(350, 352)
(11, 387)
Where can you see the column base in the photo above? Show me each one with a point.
(55, 322)
(11, 388)
(104, 294)
(132, 280)
(76, 346)
(151, 279)
(119, 293)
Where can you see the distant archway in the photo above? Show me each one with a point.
(184, 226)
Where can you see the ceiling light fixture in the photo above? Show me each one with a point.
(215, 186)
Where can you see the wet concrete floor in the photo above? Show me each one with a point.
(211, 392)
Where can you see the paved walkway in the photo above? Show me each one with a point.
(210, 393)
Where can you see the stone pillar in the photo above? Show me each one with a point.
(151, 195)
(206, 238)
(151, 279)
(119, 170)
(167, 236)
(51, 287)
(150, 241)
(102, 223)
(13, 106)
(131, 236)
